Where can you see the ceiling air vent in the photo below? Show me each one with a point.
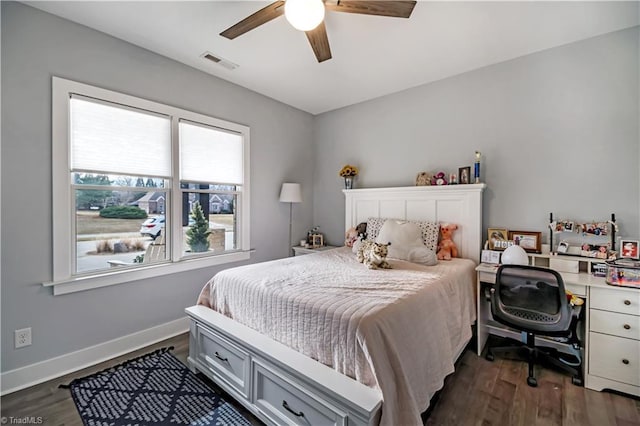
(218, 60)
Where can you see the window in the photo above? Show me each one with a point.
(142, 189)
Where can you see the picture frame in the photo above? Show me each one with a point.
(563, 247)
(464, 175)
(530, 241)
(630, 249)
(317, 241)
(498, 237)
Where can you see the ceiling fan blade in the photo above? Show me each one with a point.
(319, 42)
(396, 9)
(262, 16)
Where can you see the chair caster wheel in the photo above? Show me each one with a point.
(577, 381)
(489, 357)
(531, 381)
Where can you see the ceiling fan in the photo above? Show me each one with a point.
(308, 16)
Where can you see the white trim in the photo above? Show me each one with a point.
(108, 278)
(61, 194)
(64, 279)
(30, 375)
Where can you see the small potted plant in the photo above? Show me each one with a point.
(348, 172)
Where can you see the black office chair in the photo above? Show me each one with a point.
(533, 300)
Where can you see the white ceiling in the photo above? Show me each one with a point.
(372, 56)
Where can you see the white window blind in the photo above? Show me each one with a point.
(111, 138)
(209, 154)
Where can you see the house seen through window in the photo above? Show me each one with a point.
(146, 184)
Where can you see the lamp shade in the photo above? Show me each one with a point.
(304, 15)
(515, 255)
(291, 193)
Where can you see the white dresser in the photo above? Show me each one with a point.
(614, 339)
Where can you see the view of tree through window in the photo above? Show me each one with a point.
(138, 183)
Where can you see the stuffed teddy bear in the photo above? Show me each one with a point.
(439, 179)
(447, 248)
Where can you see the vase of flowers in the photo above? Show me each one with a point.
(349, 173)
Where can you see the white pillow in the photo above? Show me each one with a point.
(406, 242)
(423, 256)
(430, 230)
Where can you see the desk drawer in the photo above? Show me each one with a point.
(611, 299)
(224, 359)
(622, 325)
(614, 358)
(284, 402)
(487, 277)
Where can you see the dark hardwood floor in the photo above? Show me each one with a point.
(478, 393)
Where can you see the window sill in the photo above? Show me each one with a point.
(110, 278)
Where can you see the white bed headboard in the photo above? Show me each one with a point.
(459, 204)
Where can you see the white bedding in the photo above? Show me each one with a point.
(398, 330)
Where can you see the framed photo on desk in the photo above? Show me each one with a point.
(498, 238)
(529, 241)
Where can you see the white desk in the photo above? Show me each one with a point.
(611, 338)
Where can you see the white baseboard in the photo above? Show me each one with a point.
(29, 375)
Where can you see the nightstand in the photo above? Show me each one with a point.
(299, 251)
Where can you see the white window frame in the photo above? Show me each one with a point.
(64, 280)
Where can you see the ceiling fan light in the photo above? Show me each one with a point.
(304, 15)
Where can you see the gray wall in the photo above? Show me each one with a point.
(37, 46)
(558, 131)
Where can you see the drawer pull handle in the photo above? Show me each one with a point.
(625, 361)
(626, 326)
(298, 414)
(221, 358)
(627, 302)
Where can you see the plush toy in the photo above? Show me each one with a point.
(439, 179)
(350, 237)
(447, 248)
(423, 179)
(373, 255)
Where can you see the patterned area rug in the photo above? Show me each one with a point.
(154, 389)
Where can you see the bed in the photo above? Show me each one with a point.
(320, 339)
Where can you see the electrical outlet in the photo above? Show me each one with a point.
(23, 337)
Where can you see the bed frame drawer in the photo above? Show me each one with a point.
(284, 402)
(263, 373)
(224, 359)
